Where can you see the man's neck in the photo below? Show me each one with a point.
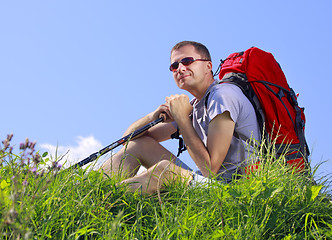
(200, 92)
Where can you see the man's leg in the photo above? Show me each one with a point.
(141, 151)
(157, 175)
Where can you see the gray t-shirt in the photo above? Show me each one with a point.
(228, 97)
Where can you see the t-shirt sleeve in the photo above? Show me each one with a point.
(221, 100)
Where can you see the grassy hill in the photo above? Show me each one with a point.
(38, 200)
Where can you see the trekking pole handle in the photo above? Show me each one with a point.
(122, 140)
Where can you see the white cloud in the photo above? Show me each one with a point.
(73, 154)
(70, 155)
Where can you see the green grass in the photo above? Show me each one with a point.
(272, 203)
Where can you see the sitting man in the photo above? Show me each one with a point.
(216, 127)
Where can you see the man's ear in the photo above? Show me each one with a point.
(209, 66)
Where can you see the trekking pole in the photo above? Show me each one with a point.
(110, 147)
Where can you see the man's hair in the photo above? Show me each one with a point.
(200, 48)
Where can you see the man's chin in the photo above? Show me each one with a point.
(182, 83)
(184, 86)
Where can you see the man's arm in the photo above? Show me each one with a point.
(219, 139)
(220, 134)
(159, 132)
(208, 159)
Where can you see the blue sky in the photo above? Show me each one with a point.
(74, 74)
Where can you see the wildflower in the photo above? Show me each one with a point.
(36, 158)
(9, 137)
(25, 183)
(33, 170)
(5, 144)
(27, 142)
(32, 146)
(58, 166)
(22, 146)
(22, 162)
(54, 165)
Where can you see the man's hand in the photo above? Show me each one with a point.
(179, 107)
(162, 111)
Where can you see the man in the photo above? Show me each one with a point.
(216, 127)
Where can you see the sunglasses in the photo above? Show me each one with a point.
(185, 61)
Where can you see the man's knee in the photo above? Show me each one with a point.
(143, 141)
(140, 144)
(163, 164)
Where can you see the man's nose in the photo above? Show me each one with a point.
(181, 67)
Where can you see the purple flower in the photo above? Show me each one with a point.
(33, 170)
(59, 165)
(25, 183)
(5, 143)
(36, 158)
(10, 136)
(22, 146)
(32, 146)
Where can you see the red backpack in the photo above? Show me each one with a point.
(262, 80)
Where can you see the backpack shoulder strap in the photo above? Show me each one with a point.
(240, 80)
(235, 134)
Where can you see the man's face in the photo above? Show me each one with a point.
(189, 77)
